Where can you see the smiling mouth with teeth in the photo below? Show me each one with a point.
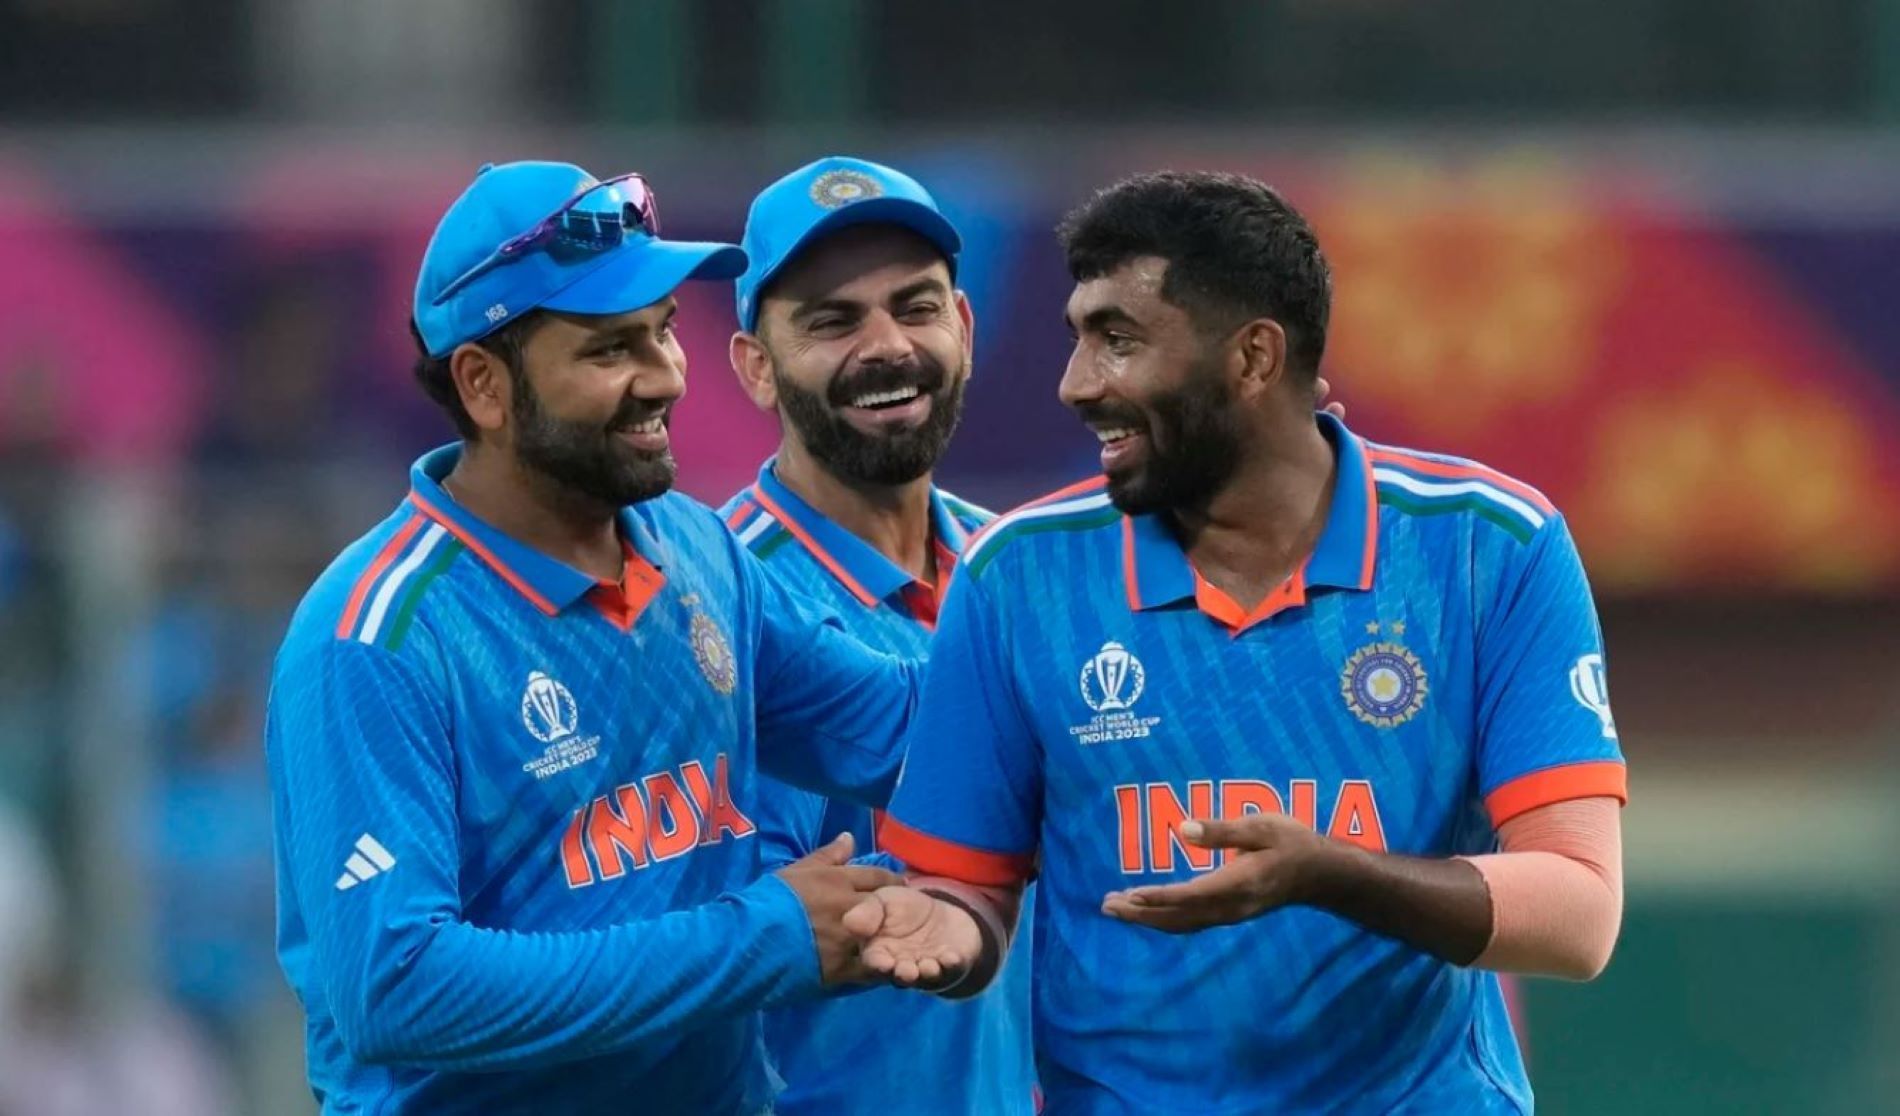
(872, 401)
(1110, 436)
(651, 426)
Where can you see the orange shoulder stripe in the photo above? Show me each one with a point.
(1590, 779)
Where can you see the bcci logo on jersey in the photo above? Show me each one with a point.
(713, 653)
(1384, 684)
(1111, 682)
(549, 714)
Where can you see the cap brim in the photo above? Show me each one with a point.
(902, 212)
(642, 274)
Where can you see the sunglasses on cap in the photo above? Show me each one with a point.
(586, 231)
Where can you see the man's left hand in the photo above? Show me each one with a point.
(1276, 864)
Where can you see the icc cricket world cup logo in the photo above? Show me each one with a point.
(547, 709)
(1113, 679)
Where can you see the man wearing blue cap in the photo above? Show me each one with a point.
(853, 331)
(515, 730)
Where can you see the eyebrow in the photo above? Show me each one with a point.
(1097, 320)
(929, 284)
(816, 307)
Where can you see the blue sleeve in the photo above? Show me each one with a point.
(831, 712)
(1545, 731)
(790, 822)
(363, 766)
(793, 823)
(969, 805)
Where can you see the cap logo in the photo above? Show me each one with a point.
(495, 313)
(842, 187)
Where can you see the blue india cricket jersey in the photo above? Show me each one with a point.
(858, 1054)
(517, 816)
(1434, 669)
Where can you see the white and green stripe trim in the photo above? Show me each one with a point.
(1430, 495)
(1077, 513)
(390, 602)
(970, 515)
(752, 530)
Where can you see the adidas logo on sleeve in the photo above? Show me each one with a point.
(369, 860)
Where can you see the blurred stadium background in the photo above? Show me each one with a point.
(1643, 253)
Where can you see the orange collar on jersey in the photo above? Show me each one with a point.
(1158, 573)
(860, 567)
(552, 585)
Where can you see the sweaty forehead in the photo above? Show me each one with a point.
(1133, 289)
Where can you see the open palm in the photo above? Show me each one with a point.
(913, 937)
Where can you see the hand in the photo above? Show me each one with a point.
(915, 939)
(830, 887)
(1280, 861)
(1322, 389)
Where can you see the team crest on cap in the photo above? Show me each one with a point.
(842, 187)
(1384, 684)
(714, 653)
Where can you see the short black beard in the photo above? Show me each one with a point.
(857, 457)
(1194, 445)
(588, 459)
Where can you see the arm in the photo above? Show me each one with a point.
(1556, 890)
(1552, 774)
(792, 824)
(790, 821)
(1549, 903)
(360, 744)
(831, 712)
(967, 815)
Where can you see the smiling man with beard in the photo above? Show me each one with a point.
(1304, 739)
(854, 333)
(515, 731)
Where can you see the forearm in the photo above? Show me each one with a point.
(1549, 903)
(1556, 890)
(451, 996)
(1439, 906)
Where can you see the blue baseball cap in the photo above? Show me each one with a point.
(533, 235)
(823, 197)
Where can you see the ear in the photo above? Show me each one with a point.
(1260, 353)
(753, 365)
(482, 380)
(969, 329)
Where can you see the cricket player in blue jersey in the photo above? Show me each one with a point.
(853, 331)
(515, 730)
(1310, 736)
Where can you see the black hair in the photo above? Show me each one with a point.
(1235, 250)
(432, 372)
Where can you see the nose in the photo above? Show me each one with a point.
(662, 380)
(1081, 380)
(882, 340)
